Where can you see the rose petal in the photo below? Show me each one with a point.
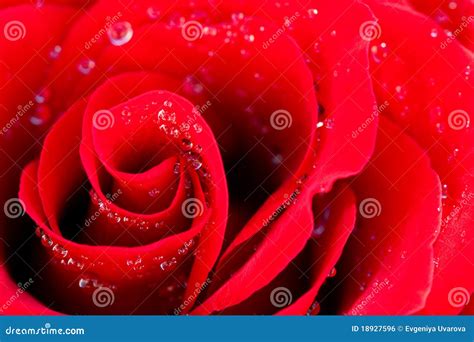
(398, 198)
(426, 92)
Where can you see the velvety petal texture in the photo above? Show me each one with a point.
(236, 157)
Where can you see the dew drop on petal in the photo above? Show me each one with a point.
(120, 33)
(314, 309)
(467, 72)
(86, 66)
(400, 92)
(444, 192)
(186, 144)
(198, 148)
(318, 230)
(152, 13)
(197, 128)
(277, 159)
(329, 123)
(332, 273)
(54, 53)
(42, 115)
(84, 282)
(439, 127)
(312, 12)
(176, 168)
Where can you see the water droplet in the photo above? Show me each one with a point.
(197, 128)
(41, 115)
(55, 52)
(277, 159)
(196, 164)
(312, 12)
(467, 72)
(439, 127)
(186, 144)
(249, 37)
(329, 123)
(84, 283)
(444, 192)
(152, 13)
(453, 156)
(314, 309)
(154, 192)
(120, 33)
(317, 47)
(434, 33)
(198, 148)
(167, 265)
(46, 240)
(236, 17)
(86, 66)
(400, 92)
(244, 53)
(60, 251)
(192, 85)
(318, 230)
(379, 52)
(42, 96)
(332, 273)
(440, 17)
(176, 168)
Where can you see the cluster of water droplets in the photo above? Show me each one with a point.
(117, 218)
(60, 253)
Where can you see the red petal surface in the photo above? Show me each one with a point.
(426, 91)
(398, 197)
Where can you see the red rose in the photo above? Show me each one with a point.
(236, 158)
